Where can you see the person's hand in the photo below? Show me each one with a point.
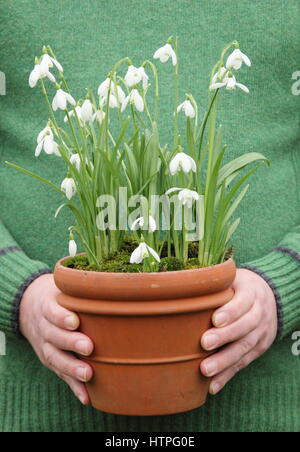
(50, 329)
(248, 324)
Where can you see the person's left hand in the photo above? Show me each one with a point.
(246, 326)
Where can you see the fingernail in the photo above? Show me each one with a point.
(210, 368)
(210, 341)
(82, 374)
(221, 319)
(71, 322)
(214, 388)
(82, 347)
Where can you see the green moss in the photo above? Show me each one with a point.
(192, 264)
(120, 262)
(169, 264)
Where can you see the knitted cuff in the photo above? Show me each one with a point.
(17, 272)
(281, 270)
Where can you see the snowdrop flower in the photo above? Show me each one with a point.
(236, 59)
(140, 222)
(133, 76)
(188, 109)
(113, 103)
(46, 131)
(142, 252)
(50, 62)
(182, 162)
(72, 248)
(104, 87)
(136, 75)
(87, 111)
(145, 78)
(164, 53)
(185, 196)
(68, 186)
(45, 141)
(116, 94)
(99, 116)
(61, 100)
(72, 113)
(230, 83)
(39, 72)
(135, 98)
(220, 75)
(75, 161)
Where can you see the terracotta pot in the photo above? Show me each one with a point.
(147, 330)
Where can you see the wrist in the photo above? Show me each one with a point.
(29, 298)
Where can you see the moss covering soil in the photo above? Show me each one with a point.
(120, 262)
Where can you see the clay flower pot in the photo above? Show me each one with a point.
(146, 328)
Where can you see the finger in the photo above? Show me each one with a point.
(65, 363)
(78, 389)
(240, 305)
(223, 378)
(70, 341)
(217, 337)
(229, 356)
(59, 316)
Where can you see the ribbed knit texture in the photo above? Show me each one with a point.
(281, 270)
(17, 272)
(88, 38)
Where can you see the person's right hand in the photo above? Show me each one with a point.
(50, 329)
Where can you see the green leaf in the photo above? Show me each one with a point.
(240, 163)
(34, 176)
(231, 230)
(235, 205)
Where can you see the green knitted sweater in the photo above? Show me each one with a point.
(88, 38)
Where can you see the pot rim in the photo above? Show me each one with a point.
(144, 286)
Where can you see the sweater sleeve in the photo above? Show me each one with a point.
(281, 270)
(17, 272)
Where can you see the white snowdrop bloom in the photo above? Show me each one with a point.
(104, 87)
(116, 93)
(50, 62)
(164, 53)
(87, 111)
(188, 109)
(133, 76)
(69, 187)
(45, 141)
(236, 59)
(145, 78)
(113, 103)
(72, 248)
(75, 161)
(99, 116)
(140, 222)
(220, 75)
(136, 99)
(230, 83)
(49, 146)
(72, 113)
(182, 162)
(61, 100)
(46, 131)
(39, 72)
(142, 252)
(136, 75)
(185, 196)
